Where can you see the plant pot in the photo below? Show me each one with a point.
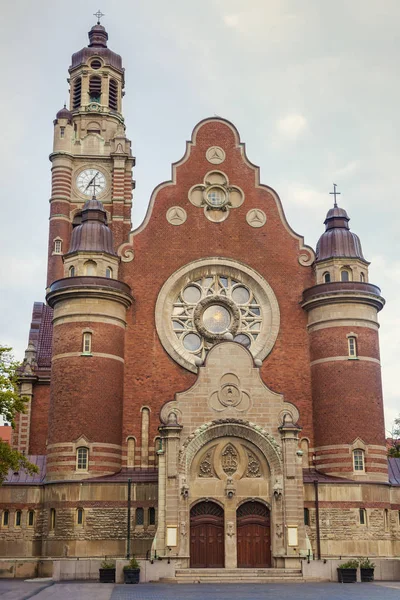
(347, 575)
(107, 575)
(367, 575)
(131, 575)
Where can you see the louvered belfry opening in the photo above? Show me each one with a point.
(113, 95)
(76, 99)
(95, 88)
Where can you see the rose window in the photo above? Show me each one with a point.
(209, 308)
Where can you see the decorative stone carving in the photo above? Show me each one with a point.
(253, 465)
(183, 529)
(216, 196)
(256, 217)
(215, 155)
(230, 488)
(229, 460)
(278, 489)
(206, 467)
(229, 395)
(279, 530)
(176, 215)
(230, 529)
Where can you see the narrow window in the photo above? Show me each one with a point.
(72, 271)
(152, 515)
(362, 276)
(31, 518)
(87, 343)
(345, 275)
(79, 516)
(358, 460)
(352, 347)
(139, 516)
(109, 273)
(62, 132)
(52, 518)
(363, 516)
(113, 95)
(131, 452)
(95, 88)
(82, 455)
(18, 517)
(76, 98)
(327, 277)
(386, 519)
(57, 246)
(90, 268)
(6, 518)
(306, 516)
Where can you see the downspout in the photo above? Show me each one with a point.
(317, 519)
(128, 529)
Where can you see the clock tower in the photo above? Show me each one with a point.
(91, 153)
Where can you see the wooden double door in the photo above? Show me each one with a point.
(253, 535)
(207, 536)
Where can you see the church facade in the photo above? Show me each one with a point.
(206, 389)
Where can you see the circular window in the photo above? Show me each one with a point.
(96, 63)
(203, 302)
(216, 318)
(216, 197)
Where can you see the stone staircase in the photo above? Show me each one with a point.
(237, 576)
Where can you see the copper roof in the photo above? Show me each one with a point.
(64, 113)
(98, 37)
(21, 477)
(41, 333)
(394, 471)
(338, 241)
(93, 235)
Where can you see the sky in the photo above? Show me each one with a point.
(311, 85)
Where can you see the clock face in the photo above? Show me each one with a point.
(91, 182)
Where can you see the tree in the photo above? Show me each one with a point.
(394, 450)
(11, 403)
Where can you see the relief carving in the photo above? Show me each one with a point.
(206, 466)
(253, 465)
(229, 460)
(230, 529)
(230, 395)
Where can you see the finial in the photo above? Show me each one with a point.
(98, 14)
(334, 194)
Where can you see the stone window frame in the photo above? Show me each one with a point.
(307, 516)
(80, 461)
(52, 519)
(87, 263)
(141, 509)
(18, 519)
(109, 273)
(149, 519)
(386, 519)
(349, 271)
(360, 453)
(80, 517)
(28, 523)
(57, 246)
(352, 345)
(362, 517)
(71, 271)
(87, 341)
(5, 517)
(326, 276)
(223, 267)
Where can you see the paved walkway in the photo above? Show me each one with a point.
(13, 589)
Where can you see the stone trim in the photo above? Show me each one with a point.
(346, 358)
(91, 355)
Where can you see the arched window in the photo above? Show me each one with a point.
(363, 516)
(362, 276)
(327, 277)
(18, 518)
(31, 518)
(90, 268)
(306, 516)
(52, 518)
(79, 516)
(131, 452)
(345, 275)
(352, 343)
(57, 246)
(71, 271)
(386, 519)
(113, 95)
(95, 88)
(152, 515)
(6, 518)
(87, 343)
(358, 460)
(109, 273)
(62, 132)
(76, 98)
(139, 516)
(82, 459)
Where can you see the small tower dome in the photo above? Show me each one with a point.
(93, 235)
(64, 113)
(98, 36)
(338, 241)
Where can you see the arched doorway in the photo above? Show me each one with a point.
(206, 535)
(253, 535)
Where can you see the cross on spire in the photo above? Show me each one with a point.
(334, 194)
(98, 14)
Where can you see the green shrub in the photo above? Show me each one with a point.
(133, 564)
(365, 563)
(107, 564)
(350, 564)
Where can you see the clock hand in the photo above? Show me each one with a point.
(91, 181)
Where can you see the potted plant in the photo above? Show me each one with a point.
(367, 569)
(347, 572)
(132, 571)
(107, 571)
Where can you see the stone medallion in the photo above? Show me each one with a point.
(256, 217)
(176, 215)
(215, 155)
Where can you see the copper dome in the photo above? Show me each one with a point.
(98, 37)
(338, 241)
(64, 113)
(93, 235)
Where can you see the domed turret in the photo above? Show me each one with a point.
(338, 240)
(93, 235)
(64, 113)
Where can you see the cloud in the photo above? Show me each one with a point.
(292, 126)
(348, 169)
(301, 195)
(231, 20)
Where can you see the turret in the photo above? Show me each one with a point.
(345, 362)
(88, 354)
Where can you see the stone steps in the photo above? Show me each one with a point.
(236, 576)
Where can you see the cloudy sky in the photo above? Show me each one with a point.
(311, 85)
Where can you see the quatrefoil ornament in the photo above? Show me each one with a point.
(216, 196)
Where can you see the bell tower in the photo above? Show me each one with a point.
(91, 153)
